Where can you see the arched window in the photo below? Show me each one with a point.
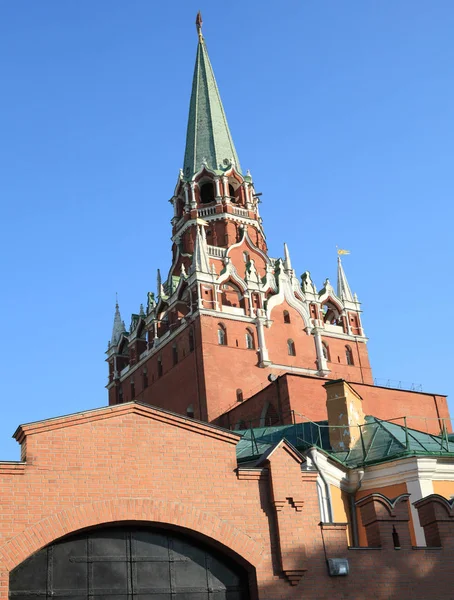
(331, 314)
(325, 349)
(207, 193)
(191, 340)
(190, 411)
(145, 378)
(349, 355)
(291, 348)
(133, 389)
(286, 316)
(120, 395)
(239, 395)
(231, 193)
(249, 340)
(222, 335)
(159, 366)
(175, 354)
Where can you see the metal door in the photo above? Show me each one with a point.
(125, 564)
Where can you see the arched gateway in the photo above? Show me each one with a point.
(125, 563)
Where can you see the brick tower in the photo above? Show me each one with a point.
(228, 316)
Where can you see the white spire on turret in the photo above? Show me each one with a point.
(200, 262)
(287, 261)
(118, 326)
(159, 284)
(343, 289)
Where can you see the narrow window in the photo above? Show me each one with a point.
(191, 340)
(175, 354)
(291, 348)
(325, 349)
(145, 378)
(159, 366)
(222, 335)
(190, 411)
(249, 340)
(133, 389)
(207, 193)
(246, 257)
(396, 541)
(286, 316)
(231, 193)
(120, 394)
(349, 355)
(239, 395)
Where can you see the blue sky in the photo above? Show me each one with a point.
(343, 112)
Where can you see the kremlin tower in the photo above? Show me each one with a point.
(228, 315)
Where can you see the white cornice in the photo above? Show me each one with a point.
(298, 370)
(222, 315)
(342, 336)
(414, 468)
(217, 217)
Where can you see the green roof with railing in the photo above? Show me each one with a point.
(380, 441)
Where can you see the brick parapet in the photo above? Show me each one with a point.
(436, 515)
(386, 521)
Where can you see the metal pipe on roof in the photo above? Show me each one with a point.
(352, 495)
(312, 453)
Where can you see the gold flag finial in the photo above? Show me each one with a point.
(341, 251)
(198, 23)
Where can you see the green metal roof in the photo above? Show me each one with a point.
(208, 136)
(380, 441)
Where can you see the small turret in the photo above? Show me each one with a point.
(343, 289)
(287, 261)
(200, 262)
(118, 326)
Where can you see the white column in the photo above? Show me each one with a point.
(218, 190)
(418, 488)
(225, 181)
(247, 194)
(262, 344)
(186, 197)
(193, 202)
(321, 360)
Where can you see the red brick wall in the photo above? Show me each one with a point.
(304, 398)
(228, 368)
(277, 335)
(359, 371)
(136, 464)
(179, 386)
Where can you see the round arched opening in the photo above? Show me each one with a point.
(126, 562)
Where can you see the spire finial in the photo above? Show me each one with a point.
(343, 289)
(198, 24)
(287, 261)
(208, 138)
(118, 325)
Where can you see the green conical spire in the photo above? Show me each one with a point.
(208, 137)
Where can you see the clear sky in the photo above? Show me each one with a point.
(342, 110)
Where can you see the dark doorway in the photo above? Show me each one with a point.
(125, 563)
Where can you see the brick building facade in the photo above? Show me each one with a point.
(245, 453)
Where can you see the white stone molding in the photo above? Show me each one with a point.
(264, 358)
(322, 362)
(285, 293)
